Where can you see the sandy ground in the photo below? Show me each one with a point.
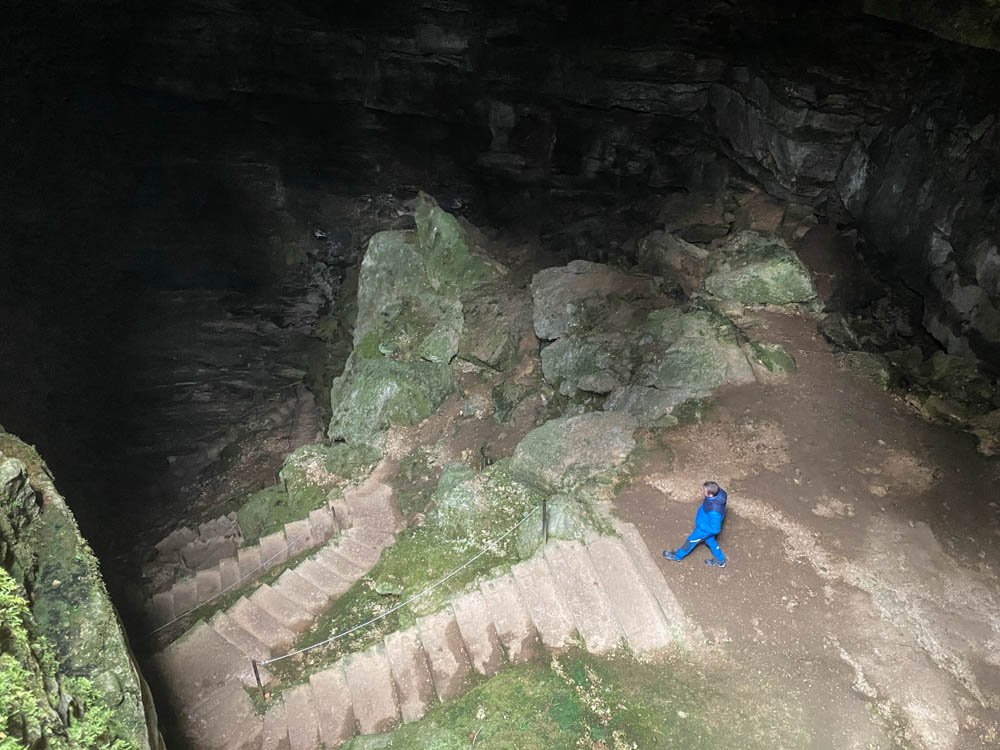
(862, 586)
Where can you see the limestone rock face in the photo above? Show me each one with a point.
(53, 570)
(758, 269)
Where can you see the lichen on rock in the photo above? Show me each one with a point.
(758, 269)
(68, 620)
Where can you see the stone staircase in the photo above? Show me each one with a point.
(203, 665)
(246, 563)
(605, 594)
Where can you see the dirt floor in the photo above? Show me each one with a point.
(861, 587)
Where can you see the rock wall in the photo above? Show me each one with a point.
(825, 106)
(71, 670)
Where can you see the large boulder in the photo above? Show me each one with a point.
(581, 295)
(646, 358)
(375, 394)
(409, 326)
(587, 451)
(758, 269)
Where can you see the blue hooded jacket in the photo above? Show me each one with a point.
(708, 521)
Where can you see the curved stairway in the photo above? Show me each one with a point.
(605, 593)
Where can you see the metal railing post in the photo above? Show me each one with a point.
(256, 674)
(545, 521)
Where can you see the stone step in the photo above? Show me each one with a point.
(335, 711)
(208, 584)
(237, 635)
(297, 589)
(635, 607)
(185, 595)
(299, 535)
(373, 693)
(168, 549)
(540, 595)
(274, 731)
(446, 655)
(371, 537)
(510, 617)
(323, 577)
(301, 717)
(372, 506)
(273, 549)
(363, 556)
(161, 609)
(684, 632)
(408, 662)
(323, 524)
(225, 719)
(340, 565)
(261, 626)
(289, 614)
(583, 596)
(201, 662)
(341, 514)
(229, 573)
(206, 553)
(249, 561)
(479, 635)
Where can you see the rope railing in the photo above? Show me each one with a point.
(436, 584)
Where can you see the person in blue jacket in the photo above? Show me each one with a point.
(707, 525)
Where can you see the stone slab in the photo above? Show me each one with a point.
(229, 573)
(286, 612)
(301, 718)
(373, 693)
(225, 719)
(249, 561)
(299, 535)
(475, 623)
(323, 524)
(322, 577)
(262, 626)
(273, 549)
(539, 592)
(274, 732)
(581, 592)
(161, 608)
(340, 565)
(414, 686)
(363, 556)
(636, 609)
(510, 617)
(185, 596)
(208, 584)
(333, 706)
(201, 662)
(297, 589)
(238, 636)
(684, 632)
(446, 655)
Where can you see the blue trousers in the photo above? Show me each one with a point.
(694, 540)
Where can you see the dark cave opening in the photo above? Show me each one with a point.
(180, 164)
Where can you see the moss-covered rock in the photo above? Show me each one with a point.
(69, 615)
(874, 368)
(409, 325)
(583, 452)
(374, 394)
(496, 319)
(772, 357)
(475, 508)
(663, 254)
(582, 295)
(597, 363)
(758, 269)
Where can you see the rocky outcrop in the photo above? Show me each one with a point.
(892, 124)
(66, 666)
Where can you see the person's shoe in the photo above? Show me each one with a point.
(671, 554)
(713, 563)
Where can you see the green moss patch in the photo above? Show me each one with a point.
(579, 700)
